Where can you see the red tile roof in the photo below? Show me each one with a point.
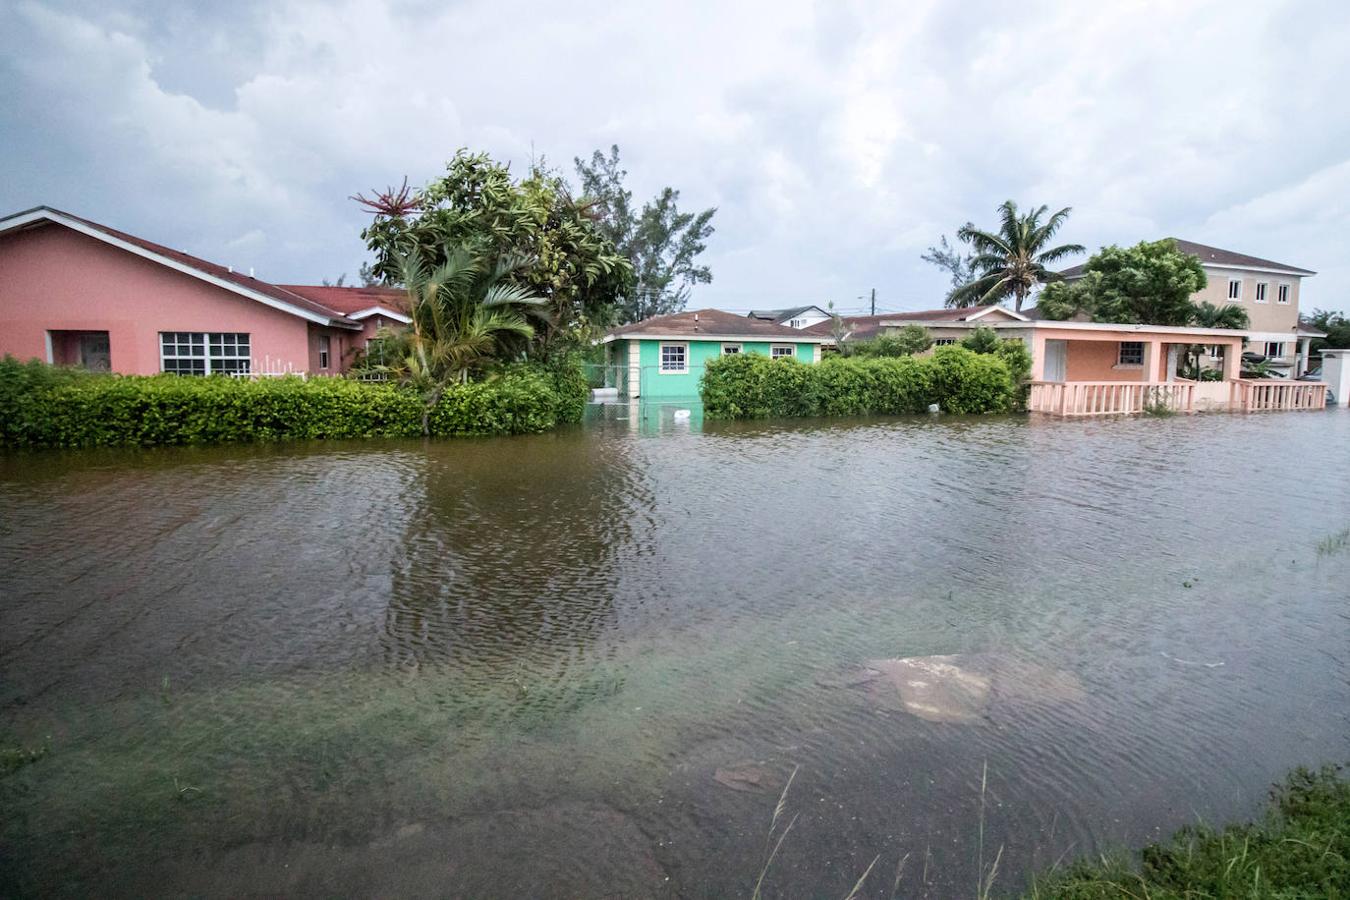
(349, 300)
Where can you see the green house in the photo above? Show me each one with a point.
(662, 358)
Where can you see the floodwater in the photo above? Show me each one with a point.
(585, 663)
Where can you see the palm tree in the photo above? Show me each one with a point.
(465, 314)
(1207, 315)
(1012, 261)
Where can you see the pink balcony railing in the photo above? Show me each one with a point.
(1115, 398)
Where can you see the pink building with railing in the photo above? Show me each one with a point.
(74, 292)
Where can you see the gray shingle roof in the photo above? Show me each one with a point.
(1215, 256)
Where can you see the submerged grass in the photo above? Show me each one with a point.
(1334, 543)
(1301, 849)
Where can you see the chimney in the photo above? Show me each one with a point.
(230, 269)
(250, 271)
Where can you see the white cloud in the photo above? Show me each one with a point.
(837, 140)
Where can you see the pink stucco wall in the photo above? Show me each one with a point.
(1094, 355)
(53, 278)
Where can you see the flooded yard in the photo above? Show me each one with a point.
(587, 663)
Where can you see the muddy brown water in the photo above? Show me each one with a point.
(585, 663)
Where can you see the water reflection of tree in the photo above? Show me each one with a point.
(510, 550)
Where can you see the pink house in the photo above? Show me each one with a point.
(74, 292)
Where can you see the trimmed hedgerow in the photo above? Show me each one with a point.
(750, 386)
(42, 406)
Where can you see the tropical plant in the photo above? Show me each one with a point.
(478, 204)
(662, 243)
(1012, 261)
(466, 313)
(1207, 315)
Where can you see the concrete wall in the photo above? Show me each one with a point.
(53, 278)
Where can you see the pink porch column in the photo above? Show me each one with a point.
(1037, 355)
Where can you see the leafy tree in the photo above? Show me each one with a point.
(662, 243)
(1150, 283)
(477, 206)
(1012, 261)
(1336, 326)
(466, 313)
(340, 282)
(952, 261)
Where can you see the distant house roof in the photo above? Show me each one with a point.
(780, 316)
(356, 302)
(222, 276)
(863, 328)
(713, 324)
(1219, 258)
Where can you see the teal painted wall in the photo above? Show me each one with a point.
(655, 386)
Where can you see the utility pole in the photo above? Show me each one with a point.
(874, 301)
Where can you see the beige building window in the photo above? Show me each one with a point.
(1274, 349)
(1261, 292)
(1235, 289)
(1282, 294)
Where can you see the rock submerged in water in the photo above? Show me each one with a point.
(748, 777)
(934, 688)
(960, 687)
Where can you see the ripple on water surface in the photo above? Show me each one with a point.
(450, 667)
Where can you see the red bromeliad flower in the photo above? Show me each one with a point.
(390, 202)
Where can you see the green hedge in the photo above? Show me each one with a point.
(750, 386)
(42, 406)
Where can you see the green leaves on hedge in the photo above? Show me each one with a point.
(41, 406)
(749, 386)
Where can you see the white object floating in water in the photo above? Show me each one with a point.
(933, 407)
(681, 415)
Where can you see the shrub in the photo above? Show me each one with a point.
(41, 406)
(907, 341)
(750, 386)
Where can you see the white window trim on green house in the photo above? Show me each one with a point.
(667, 366)
(730, 349)
(782, 351)
(644, 374)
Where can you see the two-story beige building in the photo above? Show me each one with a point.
(1267, 290)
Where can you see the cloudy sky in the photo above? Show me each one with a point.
(837, 140)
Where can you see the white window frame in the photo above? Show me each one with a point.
(944, 342)
(1278, 345)
(1282, 293)
(1214, 351)
(1121, 362)
(776, 351)
(796, 323)
(732, 349)
(200, 347)
(325, 351)
(661, 358)
(1236, 297)
(1262, 289)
